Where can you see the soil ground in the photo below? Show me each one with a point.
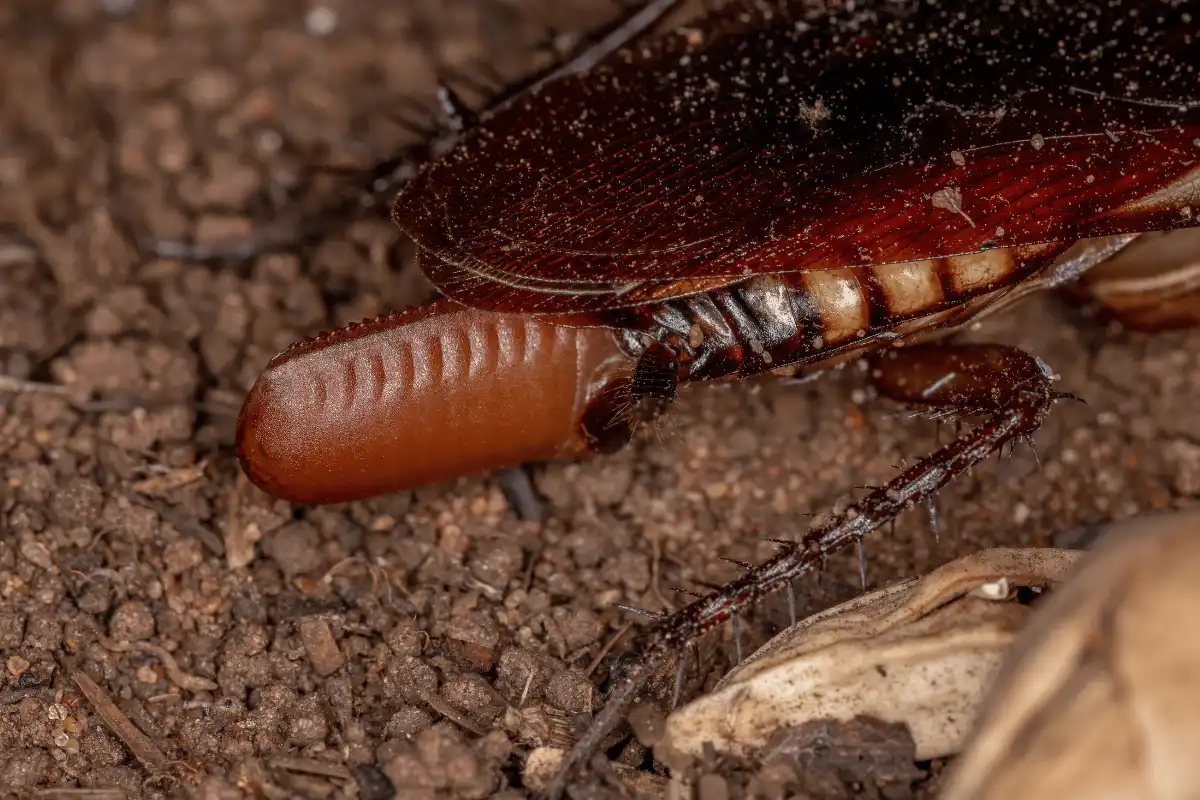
(168, 630)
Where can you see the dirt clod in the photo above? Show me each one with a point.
(648, 724)
(438, 759)
(295, 548)
(571, 691)
(496, 563)
(131, 622)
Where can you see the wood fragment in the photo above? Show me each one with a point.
(477, 654)
(144, 750)
(439, 705)
(322, 649)
(11, 385)
(310, 766)
(172, 479)
(596, 659)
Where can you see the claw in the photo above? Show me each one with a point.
(1033, 447)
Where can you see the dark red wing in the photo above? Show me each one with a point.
(762, 143)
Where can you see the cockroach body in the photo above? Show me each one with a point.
(771, 188)
(777, 186)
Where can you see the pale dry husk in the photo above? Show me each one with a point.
(1099, 697)
(921, 653)
(543, 763)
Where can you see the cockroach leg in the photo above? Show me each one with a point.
(637, 20)
(457, 115)
(645, 612)
(955, 381)
(1033, 449)
(1015, 408)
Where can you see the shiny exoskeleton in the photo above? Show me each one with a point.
(777, 186)
(776, 322)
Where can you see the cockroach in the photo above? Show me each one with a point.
(773, 187)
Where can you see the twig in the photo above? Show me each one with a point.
(310, 766)
(607, 647)
(437, 704)
(191, 683)
(181, 522)
(11, 385)
(144, 750)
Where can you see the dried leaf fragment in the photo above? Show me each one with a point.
(1100, 694)
(543, 763)
(1152, 284)
(950, 199)
(921, 653)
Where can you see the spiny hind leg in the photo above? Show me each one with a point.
(950, 382)
(1011, 388)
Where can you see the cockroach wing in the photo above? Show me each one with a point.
(779, 139)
